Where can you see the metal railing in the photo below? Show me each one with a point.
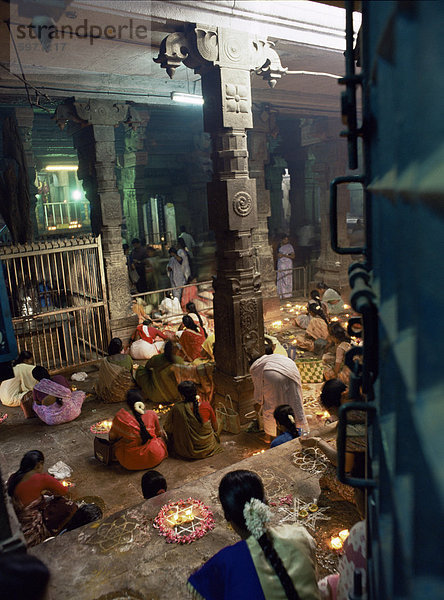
(58, 300)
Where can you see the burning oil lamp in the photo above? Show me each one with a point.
(258, 452)
(66, 483)
(276, 325)
(337, 541)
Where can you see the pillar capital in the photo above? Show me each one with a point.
(202, 47)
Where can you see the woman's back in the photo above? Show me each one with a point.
(191, 438)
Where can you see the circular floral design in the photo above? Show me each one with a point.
(232, 49)
(242, 204)
(184, 521)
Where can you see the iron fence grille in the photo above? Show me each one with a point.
(58, 300)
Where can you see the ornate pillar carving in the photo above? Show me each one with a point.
(264, 123)
(224, 58)
(93, 123)
(132, 174)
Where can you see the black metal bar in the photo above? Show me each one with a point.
(370, 409)
(334, 214)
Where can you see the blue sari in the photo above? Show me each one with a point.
(229, 575)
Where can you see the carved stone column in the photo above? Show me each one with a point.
(258, 158)
(224, 58)
(93, 137)
(25, 121)
(132, 175)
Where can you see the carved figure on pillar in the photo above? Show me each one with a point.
(224, 58)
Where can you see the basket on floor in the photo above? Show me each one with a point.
(228, 416)
(311, 370)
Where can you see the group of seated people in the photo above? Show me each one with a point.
(324, 334)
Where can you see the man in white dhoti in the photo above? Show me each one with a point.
(276, 381)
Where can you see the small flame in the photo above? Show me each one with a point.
(336, 542)
(344, 534)
(334, 319)
(277, 324)
(258, 452)
(346, 306)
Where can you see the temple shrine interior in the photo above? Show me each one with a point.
(217, 243)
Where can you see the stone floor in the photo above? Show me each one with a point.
(114, 487)
(123, 556)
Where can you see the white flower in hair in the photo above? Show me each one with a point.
(197, 397)
(256, 514)
(291, 419)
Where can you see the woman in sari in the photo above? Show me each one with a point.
(334, 359)
(192, 426)
(144, 344)
(276, 381)
(269, 563)
(13, 390)
(26, 488)
(137, 435)
(115, 373)
(284, 269)
(54, 402)
(316, 333)
(330, 298)
(156, 379)
(192, 338)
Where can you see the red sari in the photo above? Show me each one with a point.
(191, 343)
(129, 450)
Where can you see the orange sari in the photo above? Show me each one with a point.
(191, 343)
(129, 450)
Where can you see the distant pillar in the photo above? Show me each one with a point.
(224, 58)
(258, 158)
(93, 136)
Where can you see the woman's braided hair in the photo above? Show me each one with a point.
(284, 415)
(189, 392)
(235, 490)
(132, 397)
(191, 308)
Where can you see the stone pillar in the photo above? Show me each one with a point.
(132, 176)
(25, 121)
(93, 138)
(330, 159)
(263, 253)
(224, 58)
(273, 174)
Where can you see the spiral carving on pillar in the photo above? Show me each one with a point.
(242, 204)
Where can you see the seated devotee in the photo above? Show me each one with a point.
(115, 373)
(285, 424)
(140, 308)
(192, 427)
(13, 390)
(276, 381)
(333, 395)
(147, 341)
(339, 586)
(316, 333)
(23, 576)
(269, 563)
(197, 317)
(54, 401)
(192, 338)
(137, 436)
(334, 358)
(39, 518)
(275, 344)
(153, 484)
(157, 379)
(330, 298)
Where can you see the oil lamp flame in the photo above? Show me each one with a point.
(336, 542)
(344, 534)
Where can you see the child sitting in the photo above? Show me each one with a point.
(285, 424)
(153, 484)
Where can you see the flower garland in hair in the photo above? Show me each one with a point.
(256, 515)
(291, 419)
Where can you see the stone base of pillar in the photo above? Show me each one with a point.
(240, 390)
(271, 308)
(124, 328)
